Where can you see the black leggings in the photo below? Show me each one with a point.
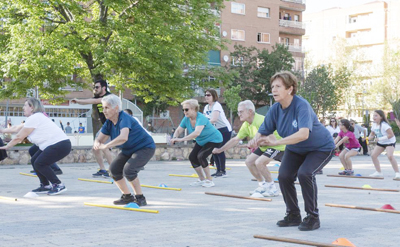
(42, 160)
(34, 149)
(199, 154)
(220, 159)
(129, 165)
(303, 166)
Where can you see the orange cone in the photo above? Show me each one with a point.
(343, 242)
(387, 206)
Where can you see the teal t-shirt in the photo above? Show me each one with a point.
(208, 134)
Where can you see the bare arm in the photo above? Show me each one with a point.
(92, 101)
(13, 129)
(119, 140)
(343, 140)
(297, 137)
(177, 132)
(214, 117)
(231, 143)
(197, 131)
(24, 132)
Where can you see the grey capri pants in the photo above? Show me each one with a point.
(129, 166)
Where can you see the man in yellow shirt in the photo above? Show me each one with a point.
(258, 160)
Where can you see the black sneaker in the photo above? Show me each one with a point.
(141, 200)
(125, 199)
(218, 174)
(57, 189)
(33, 171)
(291, 219)
(309, 223)
(58, 172)
(43, 189)
(100, 173)
(214, 174)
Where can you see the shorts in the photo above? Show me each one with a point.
(354, 149)
(98, 133)
(270, 153)
(386, 145)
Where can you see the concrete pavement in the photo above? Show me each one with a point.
(189, 217)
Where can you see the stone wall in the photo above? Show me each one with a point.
(20, 155)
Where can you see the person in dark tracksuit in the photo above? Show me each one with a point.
(309, 147)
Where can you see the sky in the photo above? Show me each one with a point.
(318, 5)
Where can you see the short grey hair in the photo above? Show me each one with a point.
(193, 103)
(35, 104)
(113, 100)
(247, 105)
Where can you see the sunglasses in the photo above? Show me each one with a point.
(185, 109)
(207, 95)
(96, 87)
(333, 120)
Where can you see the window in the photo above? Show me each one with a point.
(263, 38)
(237, 34)
(286, 41)
(296, 18)
(263, 12)
(238, 8)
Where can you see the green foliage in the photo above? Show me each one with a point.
(141, 45)
(232, 98)
(390, 86)
(324, 88)
(395, 128)
(254, 68)
(396, 108)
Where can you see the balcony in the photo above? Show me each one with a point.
(297, 5)
(292, 27)
(293, 47)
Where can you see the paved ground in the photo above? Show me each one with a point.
(189, 217)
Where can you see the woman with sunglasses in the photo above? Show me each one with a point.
(207, 138)
(214, 112)
(385, 141)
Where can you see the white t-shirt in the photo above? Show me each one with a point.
(221, 121)
(381, 131)
(332, 130)
(45, 133)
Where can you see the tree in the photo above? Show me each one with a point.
(324, 88)
(141, 45)
(232, 99)
(255, 68)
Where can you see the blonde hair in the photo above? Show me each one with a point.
(193, 103)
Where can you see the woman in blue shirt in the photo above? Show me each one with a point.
(207, 138)
(137, 148)
(309, 147)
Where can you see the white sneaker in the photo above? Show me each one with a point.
(197, 183)
(260, 190)
(271, 191)
(397, 176)
(376, 175)
(208, 184)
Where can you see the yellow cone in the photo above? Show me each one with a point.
(367, 186)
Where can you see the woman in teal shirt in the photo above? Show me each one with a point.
(207, 138)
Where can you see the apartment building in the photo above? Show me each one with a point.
(355, 37)
(263, 23)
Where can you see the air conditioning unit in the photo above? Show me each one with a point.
(164, 114)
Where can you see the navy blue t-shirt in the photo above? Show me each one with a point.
(288, 121)
(138, 138)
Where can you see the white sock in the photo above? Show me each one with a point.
(261, 184)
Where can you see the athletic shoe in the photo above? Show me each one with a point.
(224, 175)
(208, 184)
(43, 189)
(397, 176)
(376, 175)
(260, 190)
(197, 183)
(347, 173)
(100, 173)
(106, 175)
(291, 219)
(214, 174)
(140, 200)
(310, 223)
(58, 172)
(57, 189)
(125, 199)
(218, 174)
(33, 171)
(271, 191)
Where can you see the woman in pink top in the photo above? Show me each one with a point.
(351, 143)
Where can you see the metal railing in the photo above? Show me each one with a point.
(295, 1)
(294, 24)
(292, 47)
(126, 104)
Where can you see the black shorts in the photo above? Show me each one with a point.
(386, 145)
(270, 153)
